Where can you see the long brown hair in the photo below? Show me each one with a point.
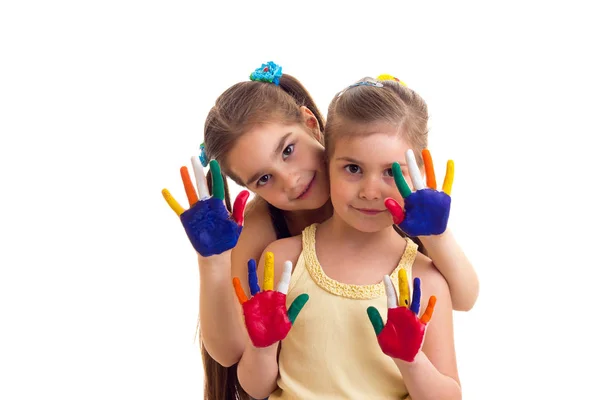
(248, 104)
(236, 111)
(221, 383)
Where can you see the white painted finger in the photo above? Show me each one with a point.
(201, 184)
(413, 170)
(284, 282)
(390, 292)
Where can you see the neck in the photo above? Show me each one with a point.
(337, 230)
(298, 220)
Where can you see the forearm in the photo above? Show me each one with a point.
(258, 370)
(220, 323)
(424, 382)
(458, 271)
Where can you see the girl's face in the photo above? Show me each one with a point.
(360, 172)
(283, 164)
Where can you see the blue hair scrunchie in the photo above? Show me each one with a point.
(203, 157)
(269, 72)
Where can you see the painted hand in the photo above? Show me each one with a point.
(207, 222)
(266, 317)
(403, 334)
(426, 210)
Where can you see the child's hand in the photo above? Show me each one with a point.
(267, 319)
(403, 334)
(426, 210)
(207, 222)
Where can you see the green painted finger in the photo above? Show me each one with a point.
(400, 182)
(217, 180)
(296, 307)
(376, 320)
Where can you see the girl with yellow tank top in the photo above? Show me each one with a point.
(337, 349)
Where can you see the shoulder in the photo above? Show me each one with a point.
(283, 250)
(287, 249)
(432, 281)
(257, 209)
(256, 235)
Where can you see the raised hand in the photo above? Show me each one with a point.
(404, 332)
(426, 210)
(208, 225)
(265, 314)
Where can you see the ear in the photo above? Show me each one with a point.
(311, 123)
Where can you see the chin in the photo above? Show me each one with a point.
(317, 199)
(368, 226)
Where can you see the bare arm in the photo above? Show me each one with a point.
(223, 333)
(258, 369)
(442, 248)
(454, 265)
(434, 373)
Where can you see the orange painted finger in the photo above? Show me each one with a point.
(429, 171)
(239, 291)
(449, 179)
(427, 314)
(190, 191)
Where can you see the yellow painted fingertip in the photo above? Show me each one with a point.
(269, 271)
(172, 202)
(449, 179)
(403, 287)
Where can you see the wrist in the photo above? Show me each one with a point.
(406, 366)
(222, 260)
(433, 239)
(263, 351)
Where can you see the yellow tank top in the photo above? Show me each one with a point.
(331, 351)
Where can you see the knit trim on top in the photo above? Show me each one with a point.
(348, 290)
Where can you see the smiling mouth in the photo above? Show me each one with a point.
(306, 190)
(369, 211)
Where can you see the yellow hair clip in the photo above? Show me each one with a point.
(388, 77)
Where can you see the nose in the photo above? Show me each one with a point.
(290, 181)
(370, 189)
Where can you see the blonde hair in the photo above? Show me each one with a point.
(394, 103)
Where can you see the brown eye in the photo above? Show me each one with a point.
(352, 168)
(288, 151)
(263, 180)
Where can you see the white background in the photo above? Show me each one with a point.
(102, 102)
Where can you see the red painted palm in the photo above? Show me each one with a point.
(403, 334)
(265, 314)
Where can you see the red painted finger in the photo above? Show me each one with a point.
(395, 209)
(239, 206)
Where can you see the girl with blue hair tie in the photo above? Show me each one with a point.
(267, 135)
